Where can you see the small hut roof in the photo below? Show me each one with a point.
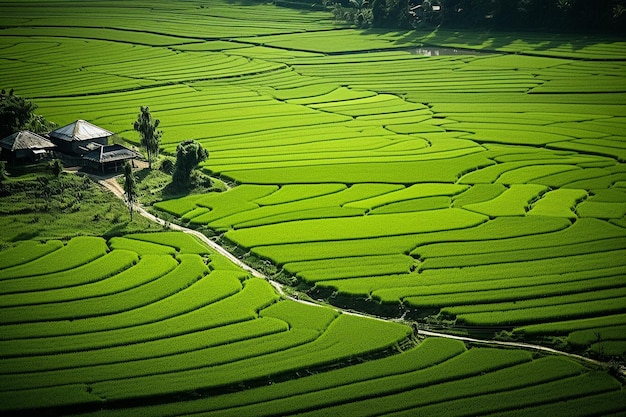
(110, 153)
(25, 140)
(78, 131)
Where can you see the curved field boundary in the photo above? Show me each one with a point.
(506, 131)
(96, 270)
(112, 185)
(146, 270)
(28, 251)
(59, 261)
(222, 322)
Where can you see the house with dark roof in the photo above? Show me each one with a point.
(76, 138)
(105, 158)
(25, 145)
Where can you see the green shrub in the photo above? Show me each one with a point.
(57, 167)
(167, 165)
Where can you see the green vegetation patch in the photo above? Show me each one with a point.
(413, 192)
(513, 202)
(27, 251)
(76, 252)
(181, 242)
(558, 203)
(299, 315)
(402, 172)
(38, 206)
(289, 193)
(149, 268)
(97, 269)
(418, 204)
(356, 227)
(488, 186)
(313, 271)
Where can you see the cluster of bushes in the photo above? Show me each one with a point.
(17, 113)
(570, 15)
(551, 15)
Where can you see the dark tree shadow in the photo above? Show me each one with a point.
(26, 236)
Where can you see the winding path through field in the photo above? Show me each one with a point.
(112, 185)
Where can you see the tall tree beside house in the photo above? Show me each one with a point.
(130, 188)
(3, 171)
(150, 136)
(188, 155)
(17, 113)
(39, 124)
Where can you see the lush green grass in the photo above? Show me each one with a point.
(50, 208)
(489, 186)
(588, 337)
(315, 271)
(68, 257)
(149, 268)
(497, 230)
(489, 295)
(94, 270)
(334, 202)
(191, 269)
(90, 314)
(356, 227)
(166, 323)
(179, 242)
(558, 203)
(409, 381)
(415, 191)
(27, 251)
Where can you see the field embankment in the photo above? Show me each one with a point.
(484, 193)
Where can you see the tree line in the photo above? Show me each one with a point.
(17, 113)
(605, 16)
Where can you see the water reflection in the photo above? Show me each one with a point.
(437, 51)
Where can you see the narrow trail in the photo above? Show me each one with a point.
(112, 185)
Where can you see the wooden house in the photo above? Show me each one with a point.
(25, 145)
(77, 138)
(108, 157)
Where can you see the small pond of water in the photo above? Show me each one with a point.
(437, 51)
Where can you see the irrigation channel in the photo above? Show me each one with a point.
(112, 185)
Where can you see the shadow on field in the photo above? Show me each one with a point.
(26, 236)
(489, 41)
(291, 4)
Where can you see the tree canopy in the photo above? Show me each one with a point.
(150, 136)
(548, 15)
(188, 155)
(17, 113)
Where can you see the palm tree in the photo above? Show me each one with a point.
(359, 5)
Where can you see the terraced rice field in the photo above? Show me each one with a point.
(487, 189)
(141, 303)
(140, 323)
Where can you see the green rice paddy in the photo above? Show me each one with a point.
(483, 192)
